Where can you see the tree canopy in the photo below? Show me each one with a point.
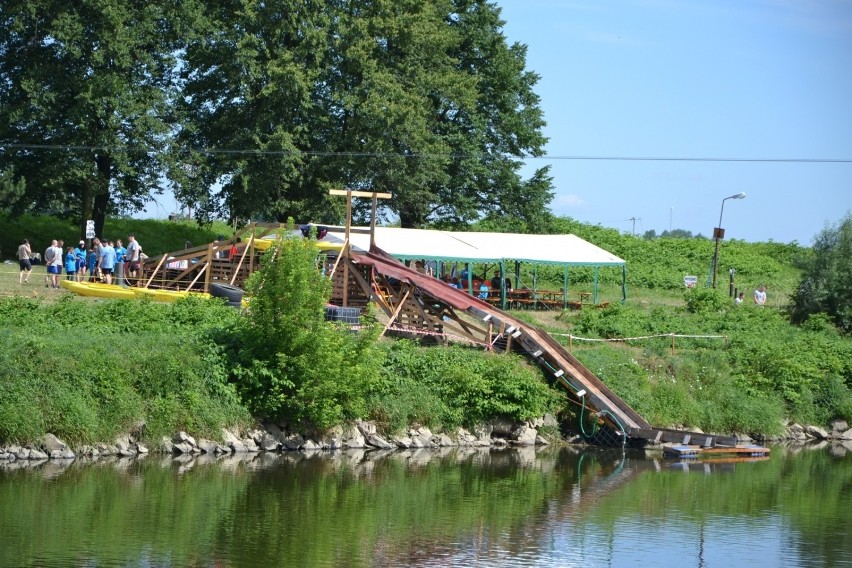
(826, 285)
(255, 109)
(85, 90)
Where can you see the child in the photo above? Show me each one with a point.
(71, 264)
(91, 263)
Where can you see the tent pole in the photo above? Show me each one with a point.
(565, 289)
(623, 283)
(535, 286)
(595, 296)
(517, 275)
(502, 284)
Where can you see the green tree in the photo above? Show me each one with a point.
(826, 284)
(292, 363)
(425, 100)
(84, 93)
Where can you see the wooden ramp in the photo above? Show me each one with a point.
(420, 304)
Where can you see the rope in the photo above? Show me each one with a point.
(591, 339)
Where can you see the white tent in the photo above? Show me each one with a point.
(410, 244)
(501, 248)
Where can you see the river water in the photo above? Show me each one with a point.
(459, 507)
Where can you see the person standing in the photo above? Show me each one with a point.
(80, 253)
(71, 264)
(133, 256)
(25, 254)
(760, 295)
(53, 264)
(92, 264)
(107, 261)
(738, 301)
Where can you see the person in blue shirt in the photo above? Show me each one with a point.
(80, 253)
(106, 262)
(120, 251)
(483, 290)
(71, 264)
(91, 264)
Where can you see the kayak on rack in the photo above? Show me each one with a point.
(159, 295)
(100, 290)
(97, 289)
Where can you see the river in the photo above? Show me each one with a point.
(460, 507)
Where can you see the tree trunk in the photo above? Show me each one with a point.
(101, 199)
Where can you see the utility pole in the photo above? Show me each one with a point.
(634, 219)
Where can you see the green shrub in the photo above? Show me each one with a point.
(292, 364)
(457, 386)
(86, 373)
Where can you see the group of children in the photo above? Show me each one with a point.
(95, 263)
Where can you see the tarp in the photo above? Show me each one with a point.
(413, 244)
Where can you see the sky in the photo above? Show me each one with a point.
(698, 79)
(766, 83)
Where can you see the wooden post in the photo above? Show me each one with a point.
(242, 258)
(208, 267)
(349, 195)
(251, 249)
(373, 222)
(346, 264)
(673, 343)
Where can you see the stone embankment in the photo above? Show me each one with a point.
(272, 438)
(364, 436)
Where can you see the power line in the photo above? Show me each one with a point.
(545, 157)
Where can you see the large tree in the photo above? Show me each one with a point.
(826, 285)
(84, 103)
(424, 99)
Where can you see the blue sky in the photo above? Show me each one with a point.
(748, 79)
(740, 79)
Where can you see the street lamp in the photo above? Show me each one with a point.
(719, 232)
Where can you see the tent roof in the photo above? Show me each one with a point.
(483, 247)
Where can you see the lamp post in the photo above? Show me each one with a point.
(719, 232)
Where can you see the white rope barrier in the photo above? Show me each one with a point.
(591, 339)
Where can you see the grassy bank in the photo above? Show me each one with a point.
(87, 370)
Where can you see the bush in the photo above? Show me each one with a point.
(292, 364)
(457, 386)
(83, 372)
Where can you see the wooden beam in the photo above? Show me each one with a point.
(365, 286)
(148, 283)
(346, 264)
(396, 312)
(242, 258)
(208, 273)
(359, 193)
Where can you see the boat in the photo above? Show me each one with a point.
(159, 295)
(262, 245)
(97, 289)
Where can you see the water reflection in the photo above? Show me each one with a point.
(446, 507)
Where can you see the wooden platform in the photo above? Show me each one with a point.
(685, 452)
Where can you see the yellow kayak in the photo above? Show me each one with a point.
(97, 289)
(158, 295)
(265, 244)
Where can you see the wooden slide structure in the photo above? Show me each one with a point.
(419, 305)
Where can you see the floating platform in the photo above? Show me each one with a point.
(682, 451)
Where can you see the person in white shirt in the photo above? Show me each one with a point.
(760, 295)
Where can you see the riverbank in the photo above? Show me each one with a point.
(364, 435)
